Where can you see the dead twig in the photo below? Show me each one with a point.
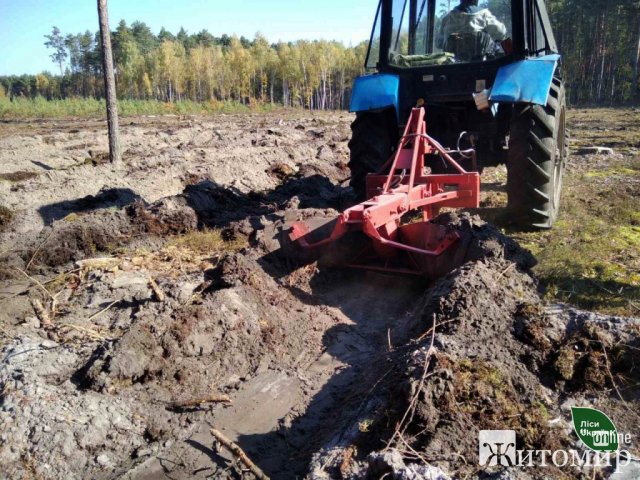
(8, 250)
(408, 414)
(36, 282)
(412, 450)
(41, 313)
(96, 315)
(157, 291)
(430, 331)
(504, 272)
(613, 382)
(238, 452)
(37, 251)
(196, 402)
(87, 331)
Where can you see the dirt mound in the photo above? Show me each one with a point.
(80, 236)
(238, 325)
(497, 361)
(480, 377)
(206, 204)
(204, 339)
(480, 240)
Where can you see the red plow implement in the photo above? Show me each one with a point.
(395, 241)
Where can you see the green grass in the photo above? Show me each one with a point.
(591, 258)
(22, 108)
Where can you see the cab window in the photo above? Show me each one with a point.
(440, 32)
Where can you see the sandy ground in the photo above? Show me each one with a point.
(126, 291)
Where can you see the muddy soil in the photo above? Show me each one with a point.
(143, 305)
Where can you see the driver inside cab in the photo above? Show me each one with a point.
(470, 32)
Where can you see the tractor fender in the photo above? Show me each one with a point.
(526, 81)
(375, 92)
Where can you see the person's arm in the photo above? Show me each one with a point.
(494, 27)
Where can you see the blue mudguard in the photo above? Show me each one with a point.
(527, 81)
(373, 92)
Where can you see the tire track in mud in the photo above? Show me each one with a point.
(280, 418)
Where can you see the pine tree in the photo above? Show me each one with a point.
(57, 43)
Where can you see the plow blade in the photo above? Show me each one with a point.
(393, 231)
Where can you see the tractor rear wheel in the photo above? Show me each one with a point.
(373, 140)
(537, 158)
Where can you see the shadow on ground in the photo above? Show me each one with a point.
(106, 198)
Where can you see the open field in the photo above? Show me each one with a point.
(40, 107)
(142, 305)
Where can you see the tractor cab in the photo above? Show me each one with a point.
(446, 48)
(421, 33)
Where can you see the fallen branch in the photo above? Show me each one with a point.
(157, 291)
(195, 402)
(238, 452)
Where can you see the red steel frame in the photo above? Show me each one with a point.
(405, 188)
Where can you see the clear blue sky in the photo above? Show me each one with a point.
(23, 23)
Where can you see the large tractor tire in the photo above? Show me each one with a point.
(537, 158)
(373, 140)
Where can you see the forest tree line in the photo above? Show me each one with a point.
(198, 67)
(600, 45)
(599, 41)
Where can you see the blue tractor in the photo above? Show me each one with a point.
(488, 77)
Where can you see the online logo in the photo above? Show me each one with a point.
(595, 429)
(497, 447)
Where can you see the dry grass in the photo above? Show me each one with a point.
(40, 107)
(6, 215)
(184, 254)
(18, 176)
(210, 242)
